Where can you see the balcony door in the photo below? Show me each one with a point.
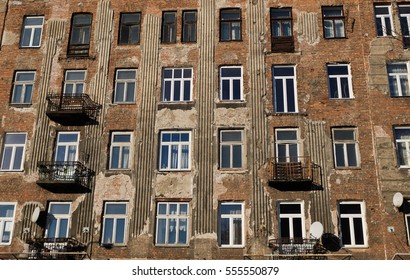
(287, 145)
(66, 154)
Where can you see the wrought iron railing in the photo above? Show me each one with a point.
(78, 49)
(55, 249)
(79, 103)
(295, 169)
(73, 172)
(292, 246)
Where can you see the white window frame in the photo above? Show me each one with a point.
(116, 218)
(32, 28)
(4, 221)
(126, 83)
(231, 81)
(172, 80)
(67, 145)
(59, 218)
(290, 217)
(287, 143)
(398, 77)
(13, 147)
(121, 146)
(168, 217)
(406, 143)
(339, 78)
(407, 220)
(383, 19)
(283, 79)
(24, 87)
(179, 145)
(74, 83)
(231, 145)
(406, 17)
(231, 218)
(345, 144)
(362, 216)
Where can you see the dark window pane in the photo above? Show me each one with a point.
(358, 231)
(284, 227)
(291, 208)
(297, 228)
(345, 231)
(350, 208)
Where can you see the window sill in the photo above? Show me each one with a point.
(233, 171)
(174, 246)
(335, 38)
(341, 99)
(176, 105)
(123, 103)
(304, 114)
(30, 47)
(164, 172)
(355, 247)
(231, 246)
(348, 168)
(231, 104)
(113, 172)
(20, 105)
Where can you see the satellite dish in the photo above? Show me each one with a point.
(316, 230)
(35, 215)
(397, 200)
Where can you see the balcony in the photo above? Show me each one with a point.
(295, 173)
(56, 249)
(72, 109)
(64, 176)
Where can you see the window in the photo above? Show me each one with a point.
(402, 136)
(125, 85)
(352, 223)
(58, 220)
(404, 11)
(398, 74)
(176, 84)
(32, 31)
(384, 23)
(287, 145)
(284, 87)
(231, 149)
(175, 150)
(231, 83)
(281, 30)
(231, 224)
(169, 27)
(172, 223)
(339, 81)
(79, 43)
(230, 25)
(67, 147)
(23, 87)
(406, 211)
(345, 147)
(7, 212)
(333, 22)
(13, 152)
(74, 83)
(291, 221)
(130, 28)
(120, 150)
(114, 223)
(189, 26)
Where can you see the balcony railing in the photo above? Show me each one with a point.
(78, 50)
(56, 249)
(295, 171)
(72, 108)
(64, 176)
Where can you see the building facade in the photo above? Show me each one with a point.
(204, 129)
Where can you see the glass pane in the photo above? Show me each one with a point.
(184, 156)
(404, 83)
(115, 157)
(297, 228)
(351, 154)
(60, 154)
(130, 92)
(134, 35)
(37, 37)
(280, 13)
(283, 71)
(279, 96)
(344, 134)
(183, 209)
(168, 73)
(225, 90)
(286, 135)
(224, 232)
(184, 137)
(290, 208)
(120, 231)
(33, 21)
(116, 208)
(225, 31)
(231, 72)
(237, 231)
(162, 208)
(161, 231)
(345, 231)
(402, 133)
(177, 90)
(282, 152)
(236, 90)
(276, 31)
(225, 157)
(25, 40)
(332, 11)
(337, 70)
(350, 208)
(293, 152)
(7, 153)
(75, 76)
(236, 156)
(187, 90)
(231, 208)
(339, 28)
(6, 237)
(164, 156)
(6, 211)
(18, 90)
(178, 73)
(182, 232)
(290, 94)
(174, 157)
(404, 159)
(122, 138)
(67, 137)
(172, 231)
(340, 160)
(51, 227)
(125, 157)
(15, 138)
(284, 227)
(28, 94)
(126, 74)
(236, 31)
(18, 158)
(108, 231)
(63, 230)
(167, 91)
(358, 231)
(231, 136)
(328, 24)
(59, 208)
(333, 88)
(344, 84)
(24, 77)
(82, 19)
